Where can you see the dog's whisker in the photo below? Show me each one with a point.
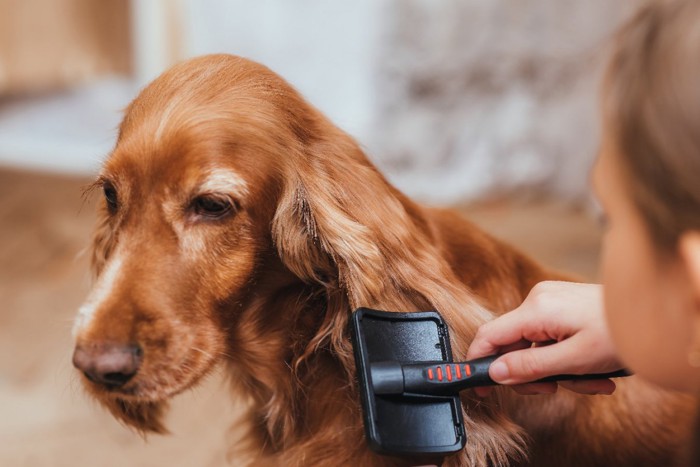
(203, 352)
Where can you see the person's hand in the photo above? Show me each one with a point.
(558, 329)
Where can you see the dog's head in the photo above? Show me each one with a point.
(184, 222)
(225, 187)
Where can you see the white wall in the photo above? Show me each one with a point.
(69, 132)
(486, 97)
(453, 99)
(326, 49)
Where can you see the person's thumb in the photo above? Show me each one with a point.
(533, 363)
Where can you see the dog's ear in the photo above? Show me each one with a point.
(325, 230)
(330, 222)
(341, 225)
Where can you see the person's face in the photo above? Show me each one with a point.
(649, 301)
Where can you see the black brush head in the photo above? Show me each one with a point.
(406, 425)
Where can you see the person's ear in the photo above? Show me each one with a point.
(689, 252)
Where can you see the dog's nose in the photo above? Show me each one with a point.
(111, 365)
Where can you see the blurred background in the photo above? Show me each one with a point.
(489, 107)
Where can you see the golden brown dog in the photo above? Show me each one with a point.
(240, 227)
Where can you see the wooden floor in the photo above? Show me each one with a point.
(45, 420)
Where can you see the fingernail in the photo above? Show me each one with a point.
(499, 371)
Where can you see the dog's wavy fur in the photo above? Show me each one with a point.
(268, 290)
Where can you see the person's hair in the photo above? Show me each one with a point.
(651, 99)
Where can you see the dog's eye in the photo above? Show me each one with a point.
(110, 196)
(212, 206)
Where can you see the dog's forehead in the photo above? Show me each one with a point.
(208, 93)
(218, 179)
(220, 159)
(206, 122)
(199, 168)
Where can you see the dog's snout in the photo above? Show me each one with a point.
(109, 364)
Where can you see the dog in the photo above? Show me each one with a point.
(240, 227)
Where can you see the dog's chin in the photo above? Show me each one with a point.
(143, 411)
(142, 415)
(140, 404)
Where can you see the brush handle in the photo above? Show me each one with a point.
(480, 370)
(448, 378)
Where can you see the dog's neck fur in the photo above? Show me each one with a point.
(278, 334)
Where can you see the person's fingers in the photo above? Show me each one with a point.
(538, 319)
(511, 328)
(521, 344)
(523, 366)
(592, 387)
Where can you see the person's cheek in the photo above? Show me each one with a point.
(636, 307)
(674, 333)
(618, 295)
